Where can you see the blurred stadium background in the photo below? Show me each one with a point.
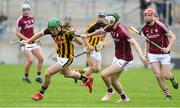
(83, 12)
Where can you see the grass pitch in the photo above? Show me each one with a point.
(139, 84)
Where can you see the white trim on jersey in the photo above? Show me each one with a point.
(163, 26)
(17, 22)
(125, 31)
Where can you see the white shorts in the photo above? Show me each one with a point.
(162, 58)
(64, 62)
(95, 55)
(25, 48)
(122, 63)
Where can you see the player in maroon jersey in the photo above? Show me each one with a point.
(24, 31)
(123, 56)
(158, 32)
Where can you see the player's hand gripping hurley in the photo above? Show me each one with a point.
(22, 43)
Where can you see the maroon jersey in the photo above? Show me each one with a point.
(121, 36)
(156, 33)
(26, 26)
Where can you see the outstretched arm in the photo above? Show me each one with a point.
(97, 32)
(36, 36)
(100, 32)
(78, 41)
(135, 44)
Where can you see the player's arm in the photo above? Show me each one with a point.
(21, 36)
(105, 41)
(146, 48)
(146, 45)
(36, 36)
(86, 43)
(97, 32)
(137, 47)
(78, 40)
(171, 38)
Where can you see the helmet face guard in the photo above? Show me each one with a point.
(110, 20)
(53, 23)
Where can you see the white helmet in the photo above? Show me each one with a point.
(102, 13)
(25, 6)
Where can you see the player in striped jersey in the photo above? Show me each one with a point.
(158, 32)
(63, 39)
(123, 56)
(94, 57)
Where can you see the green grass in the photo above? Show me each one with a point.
(139, 84)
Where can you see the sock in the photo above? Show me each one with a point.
(166, 92)
(123, 95)
(26, 75)
(110, 90)
(38, 73)
(81, 71)
(172, 79)
(83, 78)
(43, 89)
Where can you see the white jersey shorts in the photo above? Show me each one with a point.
(64, 62)
(122, 63)
(95, 55)
(162, 58)
(26, 48)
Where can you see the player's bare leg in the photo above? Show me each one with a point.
(156, 68)
(166, 70)
(66, 72)
(39, 55)
(118, 87)
(76, 75)
(27, 66)
(94, 66)
(106, 76)
(49, 72)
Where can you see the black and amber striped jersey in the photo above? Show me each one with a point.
(94, 40)
(63, 41)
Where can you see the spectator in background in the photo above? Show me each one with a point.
(3, 18)
(160, 7)
(144, 4)
(67, 22)
(168, 11)
(164, 10)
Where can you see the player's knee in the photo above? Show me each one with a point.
(67, 75)
(95, 69)
(41, 60)
(167, 76)
(30, 61)
(103, 75)
(98, 69)
(158, 75)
